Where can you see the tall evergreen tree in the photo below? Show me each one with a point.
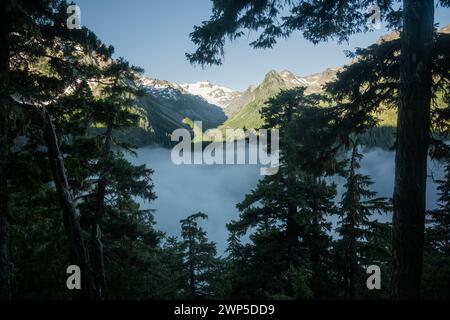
(199, 257)
(176, 277)
(288, 209)
(437, 253)
(115, 111)
(439, 219)
(357, 207)
(32, 31)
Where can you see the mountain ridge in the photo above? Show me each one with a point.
(245, 111)
(239, 109)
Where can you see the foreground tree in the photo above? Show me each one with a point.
(437, 248)
(357, 206)
(115, 110)
(35, 34)
(413, 138)
(288, 210)
(320, 21)
(199, 257)
(370, 87)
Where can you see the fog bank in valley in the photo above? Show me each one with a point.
(215, 190)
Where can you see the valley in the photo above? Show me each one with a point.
(217, 189)
(168, 106)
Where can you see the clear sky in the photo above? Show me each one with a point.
(154, 34)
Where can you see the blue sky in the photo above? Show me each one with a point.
(154, 34)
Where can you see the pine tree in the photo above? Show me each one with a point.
(199, 257)
(174, 273)
(288, 209)
(33, 32)
(439, 219)
(357, 207)
(114, 110)
(437, 253)
(372, 85)
(259, 269)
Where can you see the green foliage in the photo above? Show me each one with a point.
(199, 258)
(259, 269)
(357, 207)
(317, 20)
(437, 248)
(53, 73)
(366, 93)
(288, 212)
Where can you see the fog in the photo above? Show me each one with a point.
(215, 190)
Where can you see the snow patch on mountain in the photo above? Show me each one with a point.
(213, 94)
(292, 80)
(161, 88)
(313, 83)
(217, 95)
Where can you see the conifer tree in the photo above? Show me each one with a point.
(115, 110)
(288, 209)
(357, 207)
(32, 32)
(174, 273)
(439, 219)
(199, 257)
(437, 253)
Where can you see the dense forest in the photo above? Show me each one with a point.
(68, 194)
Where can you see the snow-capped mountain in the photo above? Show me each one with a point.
(244, 111)
(213, 94)
(168, 105)
(219, 96)
(313, 83)
(293, 80)
(161, 88)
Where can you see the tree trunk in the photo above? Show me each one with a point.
(292, 227)
(352, 263)
(413, 133)
(292, 234)
(315, 257)
(5, 281)
(192, 267)
(77, 252)
(97, 258)
(5, 272)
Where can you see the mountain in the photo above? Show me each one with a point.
(216, 95)
(167, 105)
(445, 29)
(244, 110)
